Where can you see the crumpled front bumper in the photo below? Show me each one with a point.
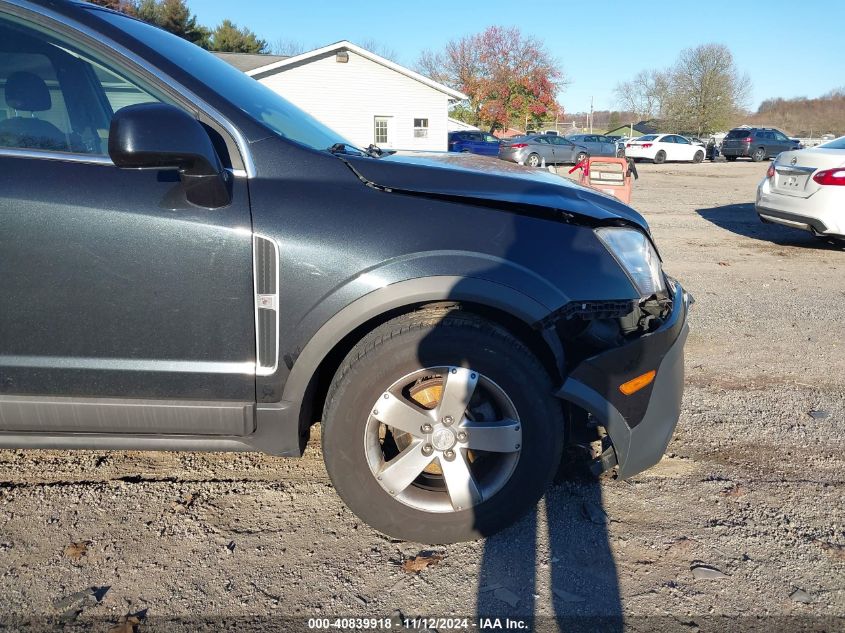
(640, 425)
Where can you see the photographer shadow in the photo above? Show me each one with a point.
(565, 544)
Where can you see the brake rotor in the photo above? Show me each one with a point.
(427, 394)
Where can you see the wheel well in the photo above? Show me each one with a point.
(315, 394)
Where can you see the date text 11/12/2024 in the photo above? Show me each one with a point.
(420, 623)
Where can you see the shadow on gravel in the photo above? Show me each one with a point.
(578, 567)
(742, 219)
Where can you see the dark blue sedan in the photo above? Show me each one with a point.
(474, 142)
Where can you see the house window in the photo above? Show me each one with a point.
(420, 128)
(380, 130)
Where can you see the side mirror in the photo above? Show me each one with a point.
(161, 136)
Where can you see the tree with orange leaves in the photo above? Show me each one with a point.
(511, 79)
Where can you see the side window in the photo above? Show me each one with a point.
(55, 98)
(420, 128)
(780, 136)
(668, 139)
(681, 140)
(489, 138)
(542, 139)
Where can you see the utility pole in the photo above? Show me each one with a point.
(591, 115)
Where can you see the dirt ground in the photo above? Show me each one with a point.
(741, 527)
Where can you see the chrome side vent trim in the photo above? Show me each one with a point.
(265, 268)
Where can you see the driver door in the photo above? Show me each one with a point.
(115, 290)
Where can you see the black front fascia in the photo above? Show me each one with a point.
(606, 371)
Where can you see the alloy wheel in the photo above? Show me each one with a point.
(443, 439)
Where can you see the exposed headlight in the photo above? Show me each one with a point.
(634, 252)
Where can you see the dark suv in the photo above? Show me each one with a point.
(189, 262)
(758, 143)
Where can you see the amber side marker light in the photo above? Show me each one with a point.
(641, 381)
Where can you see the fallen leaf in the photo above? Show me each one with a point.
(735, 491)
(75, 551)
(130, 624)
(834, 550)
(724, 264)
(420, 561)
(706, 572)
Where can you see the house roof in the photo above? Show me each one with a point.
(280, 65)
(249, 61)
(643, 127)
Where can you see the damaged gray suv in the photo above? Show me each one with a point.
(189, 262)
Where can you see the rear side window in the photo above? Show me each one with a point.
(54, 98)
(738, 134)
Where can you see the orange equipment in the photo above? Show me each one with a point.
(612, 176)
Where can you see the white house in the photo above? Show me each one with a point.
(365, 97)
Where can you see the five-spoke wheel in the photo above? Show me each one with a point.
(441, 426)
(443, 439)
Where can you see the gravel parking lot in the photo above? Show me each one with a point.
(743, 518)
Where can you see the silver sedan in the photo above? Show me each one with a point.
(536, 149)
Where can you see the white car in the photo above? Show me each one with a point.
(805, 189)
(659, 148)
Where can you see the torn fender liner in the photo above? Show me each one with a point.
(474, 179)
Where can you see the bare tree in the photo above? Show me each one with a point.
(379, 48)
(645, 94)
(703, 92)
(706, 90)
(284, 46)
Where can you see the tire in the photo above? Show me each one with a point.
(660, 157)
(533, 160)
(730, 159)
(699, 156)
(458, 343)
(758, 155)
(580, 157)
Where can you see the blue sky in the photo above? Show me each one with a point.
(781, 57)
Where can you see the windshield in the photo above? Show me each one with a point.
(838, 143)
(265, 106)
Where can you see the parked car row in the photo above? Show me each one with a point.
(535, 149)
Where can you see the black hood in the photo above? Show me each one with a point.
(482, 178)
